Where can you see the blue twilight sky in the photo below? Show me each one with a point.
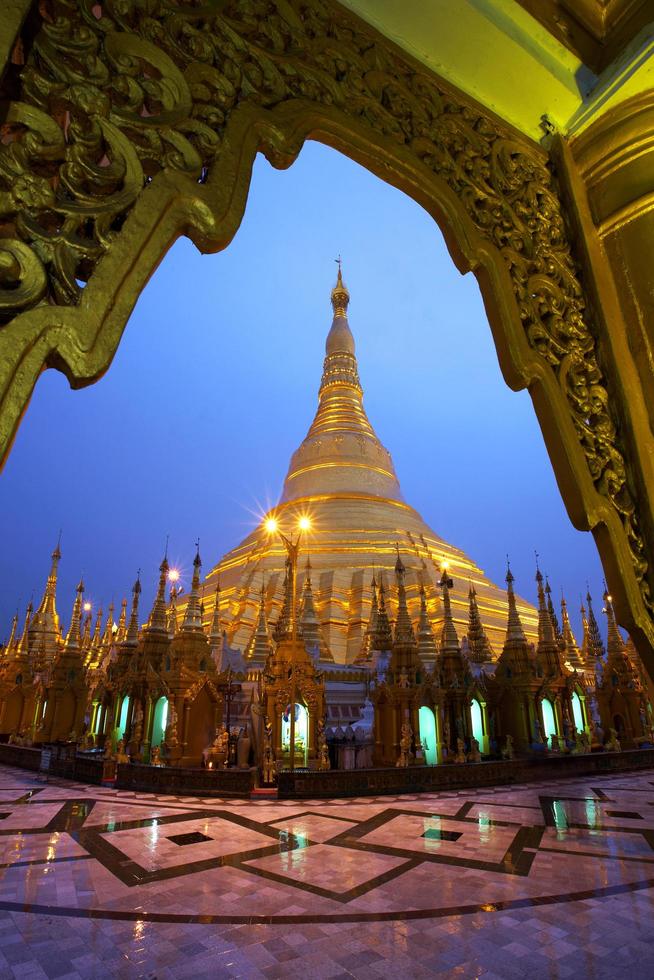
(215, 383)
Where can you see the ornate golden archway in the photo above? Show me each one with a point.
(129, 124)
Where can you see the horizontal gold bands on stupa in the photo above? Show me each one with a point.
(340, 464)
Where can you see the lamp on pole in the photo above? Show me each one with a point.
(292, 551)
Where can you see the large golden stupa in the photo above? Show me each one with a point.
(344, 480)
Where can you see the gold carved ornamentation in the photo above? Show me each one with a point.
(132, 124)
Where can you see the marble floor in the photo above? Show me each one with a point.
(551, 880)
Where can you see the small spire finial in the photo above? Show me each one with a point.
(340, 294)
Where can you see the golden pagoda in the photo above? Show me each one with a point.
(343, 478)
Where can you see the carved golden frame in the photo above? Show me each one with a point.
(130, 127)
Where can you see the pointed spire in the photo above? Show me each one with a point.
(403, 625)
(282, 626)
(45, 621)
(309, 623)
(514, 630)
(172, 610)
(261, 643)
(569, 644)
(596, 645)
(121, 634)
(23, 646)
(371, 629)
(192, 622)
(449, 638)
(545, 624)
(132, 636)
(548, 651)
(216, 631)
(73, 638)
(95, 643)
(615, 644)
(86, 633)
(558, 635)
(516, 657)
(157, 620)
(11, 642)
(426, 643)
(341, 435)
(383, 639)
(478, 643)
(108, 635)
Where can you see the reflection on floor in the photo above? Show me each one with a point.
(554, 880)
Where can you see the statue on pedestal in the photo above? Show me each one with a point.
(121, 754)
(405, 747)
(155, 756)
(460, 751)
(613, 744)
(268, 763)
(507, 751)
(475, 754)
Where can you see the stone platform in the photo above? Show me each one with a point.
(549, 880)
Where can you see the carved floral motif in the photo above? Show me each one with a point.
(115, 93)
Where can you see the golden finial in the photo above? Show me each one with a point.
(340, 295)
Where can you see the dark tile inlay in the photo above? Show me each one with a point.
(195, 838)
(435, 834)
(629, 814)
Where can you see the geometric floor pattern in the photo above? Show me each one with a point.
(545, 880)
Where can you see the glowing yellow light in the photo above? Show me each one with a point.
(173, 575)
(271, 525)
(304, 523)
(87, 607)
(609, 598)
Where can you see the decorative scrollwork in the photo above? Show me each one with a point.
(114, 93)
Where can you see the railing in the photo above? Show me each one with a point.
(420, 779)
(173, 780)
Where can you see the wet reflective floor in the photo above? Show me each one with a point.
(551, 880)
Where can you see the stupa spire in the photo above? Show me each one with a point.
(216, 629)
(367, 644)
(309, 622)
(132, 635)
(383, 639)
(73, 638)
(108, 635)
(283, 623)
(172, 610)
(261, 644)
(570, 648)
(558, 634)
(478, 643)
(514, 631)
(121, 633)
(12, 636)
(516, 657)
(157, 619)
(548, 651)
(449, 638)
(23, 646)
(403, 625)
(45, 621)
(615, 645)
(427, 650)
(341, 437)
(595, 643)
(86, 633)
(192, 621)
